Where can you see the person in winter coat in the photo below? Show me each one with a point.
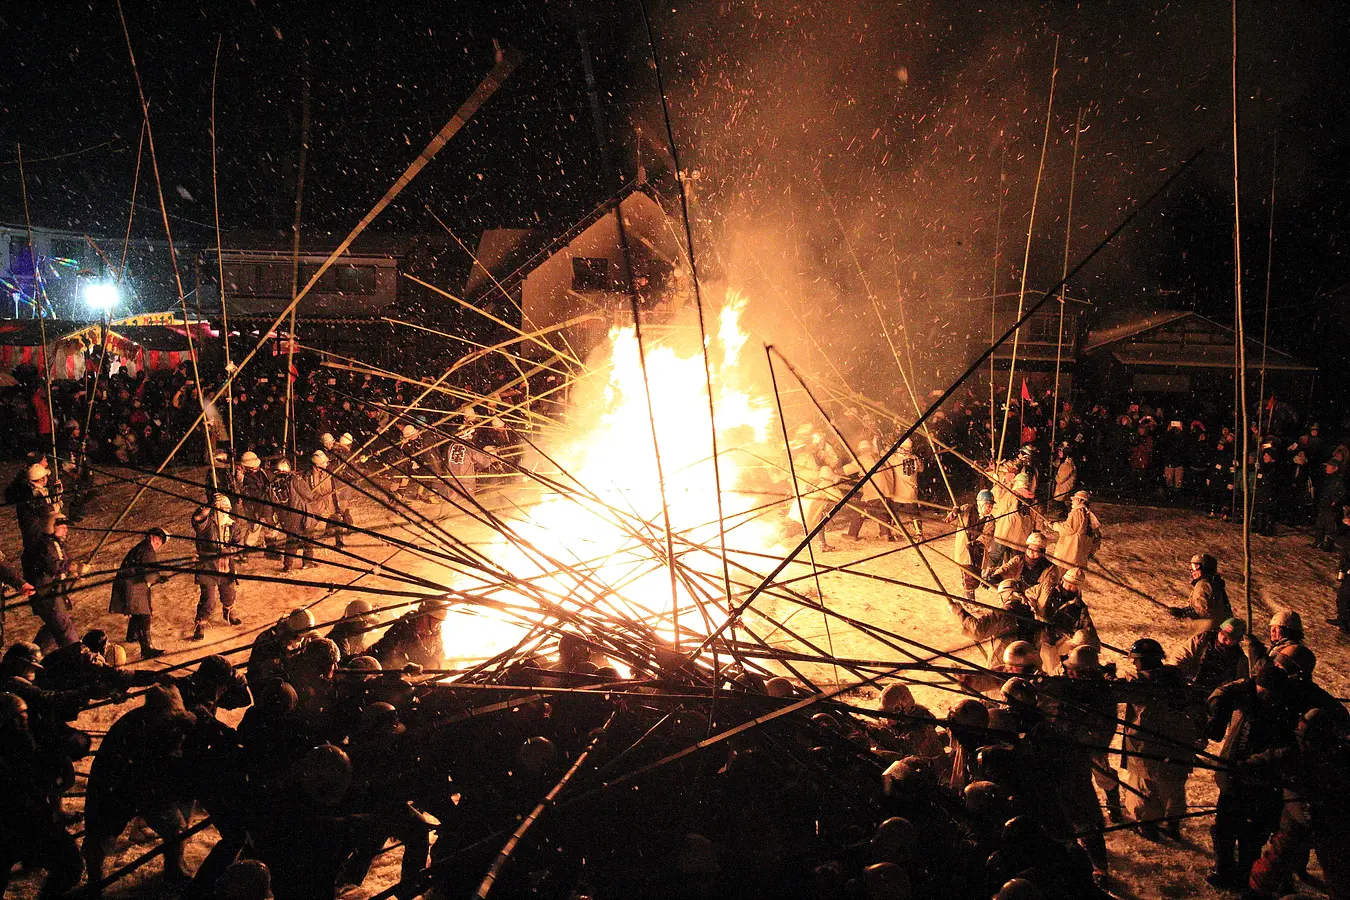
(1250, 716)
(974, 535)
(253, 496)
(1315, 815)
(1030, 569)
(47, 567)
(313, 497)
(1171, 448)
(352, 632)
(1067, 618)
(1015, 517)
(1330, 499)
(216, 547)
(1209, 594)
(1216, 656)
(996, 629)
(1066, 477)
(131, 589)
(414, 638)
(1266, 492)
(1159, 737)
(872, 496)
(31, 828)
(1342, 617)
(36, 507)
(1080, 534)
(134, 774)
(904, 498)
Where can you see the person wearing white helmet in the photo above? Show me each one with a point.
(326, 441)
(414, 638)
(48, 568)
(1061, 606)
(903, 500)
(871, 500)
(353, 633)
(416, 466)
(281, 517)
(1080, 534)
(974, 535)
(996, 629)
(1066, 476)
(215, 572)
(1015, 513)
(1032, 568)
(35, 507)
(253, 481)
(312, 497)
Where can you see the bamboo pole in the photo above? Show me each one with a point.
(951, 389)
(485, 90)
(48, 355)
(220, 259)
(286, 426)
(173, 253)
(1270, 263)
(1059, 344)
(1241, 337)
(1026, 254)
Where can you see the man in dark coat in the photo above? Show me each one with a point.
(47, 567)
(313, 497)
(31, 830)
(414, 638)
(133, 774)
(131, 594)
(1342, 619)
(215, 563)
(1330, 498)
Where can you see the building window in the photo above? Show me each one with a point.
(341, 279)
(590, 274)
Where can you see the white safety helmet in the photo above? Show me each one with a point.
(1036, 540)
(409, 431)
(326, 440)
(346, 440)
(319, 458)
(250, 460)
(222, 503)
(37, 472)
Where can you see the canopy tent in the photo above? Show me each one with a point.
(141, 346)
(21, 344)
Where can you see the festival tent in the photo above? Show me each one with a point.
(21, 344)
(141, 343)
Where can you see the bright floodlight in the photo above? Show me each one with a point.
(101, 295)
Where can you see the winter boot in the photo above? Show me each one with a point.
(229, 616)
(199, 634)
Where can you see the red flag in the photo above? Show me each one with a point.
(1026, 392)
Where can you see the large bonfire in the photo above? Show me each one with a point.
(595, 541)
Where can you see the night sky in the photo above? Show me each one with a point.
(903, 126)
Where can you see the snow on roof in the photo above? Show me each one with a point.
(1187, 353)
(1101, 337)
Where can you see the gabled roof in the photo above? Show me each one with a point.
(1101, 337)
(518, 251)
(1128, 343)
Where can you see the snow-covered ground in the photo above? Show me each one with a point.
(1146, 549)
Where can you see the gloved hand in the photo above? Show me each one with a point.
(412, 669)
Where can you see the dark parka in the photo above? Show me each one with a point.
(135, 576)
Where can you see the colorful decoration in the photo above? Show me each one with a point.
(26, 283)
